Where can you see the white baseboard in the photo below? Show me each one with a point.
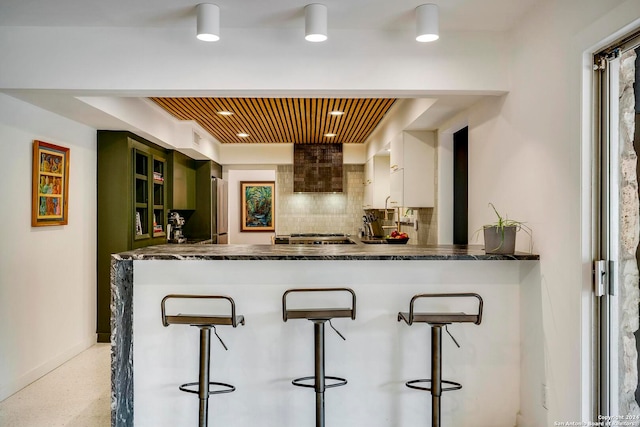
(16, 384)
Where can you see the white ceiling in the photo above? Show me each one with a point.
(376, 15)
(455, 15)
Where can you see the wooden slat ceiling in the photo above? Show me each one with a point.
(275, 120)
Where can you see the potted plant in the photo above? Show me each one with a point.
(500, 236)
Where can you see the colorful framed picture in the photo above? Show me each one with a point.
(50, 185)
(257, 206)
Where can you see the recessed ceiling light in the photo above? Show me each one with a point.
(336, 113)
(242, 135)
(225, 113)
(329, 135)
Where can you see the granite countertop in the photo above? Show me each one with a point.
(358, 251)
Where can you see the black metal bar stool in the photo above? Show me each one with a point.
(319, 316)
(204, 322)
(437, 321)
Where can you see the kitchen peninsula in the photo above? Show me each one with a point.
(378, 357)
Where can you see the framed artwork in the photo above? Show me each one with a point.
(257, 206)
(50, 185)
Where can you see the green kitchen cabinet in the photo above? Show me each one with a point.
(182, 176)
(132, 205)
(199, 224)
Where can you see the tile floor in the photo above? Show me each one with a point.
(76, 394)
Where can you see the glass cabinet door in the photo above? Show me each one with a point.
(141, 194)
(159, 194)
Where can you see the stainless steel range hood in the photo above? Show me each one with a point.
(317, 168)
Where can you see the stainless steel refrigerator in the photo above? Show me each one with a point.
(219, 221)
(209, 221)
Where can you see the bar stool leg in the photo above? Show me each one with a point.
(203, 380)
(436, 373)
(318, 335)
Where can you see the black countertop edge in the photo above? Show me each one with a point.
(319, 253)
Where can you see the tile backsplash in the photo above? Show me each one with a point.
(319, 212)
(339, 212)
(426, 234)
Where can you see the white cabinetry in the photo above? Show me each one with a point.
(396, 156)
(376, 182)
(368, 172)
(396, 184)
(412, 167)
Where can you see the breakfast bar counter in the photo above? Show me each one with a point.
(357, 251)
(379, 355)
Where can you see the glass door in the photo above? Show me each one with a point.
(615, 239)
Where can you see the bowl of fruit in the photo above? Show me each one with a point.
(397, 238)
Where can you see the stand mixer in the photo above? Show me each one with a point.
(175, 231)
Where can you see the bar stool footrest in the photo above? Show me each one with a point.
(299, 382)
(454, 385)
(225, 388)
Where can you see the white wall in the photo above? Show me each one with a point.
(256, 154)
(526, 156)
(234, 175)
(47, 274)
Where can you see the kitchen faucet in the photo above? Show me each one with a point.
(386, 215)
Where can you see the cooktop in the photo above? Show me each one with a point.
(318, 235)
